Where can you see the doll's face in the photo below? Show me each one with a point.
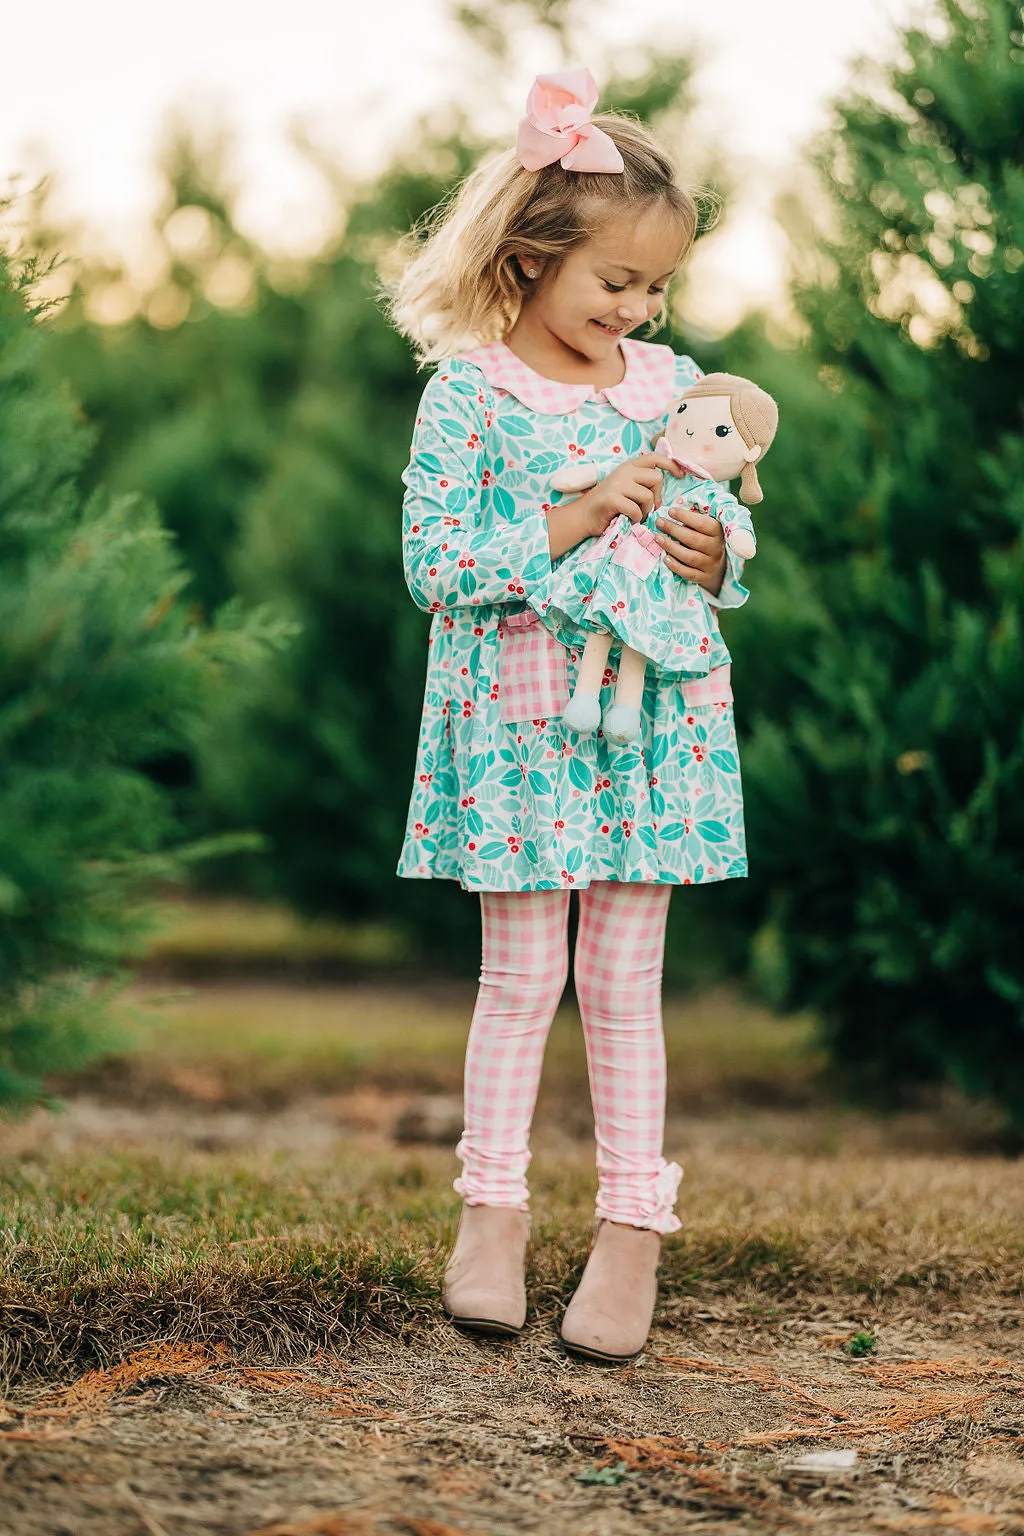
(702, 430)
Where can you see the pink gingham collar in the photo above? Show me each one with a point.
(644, 393)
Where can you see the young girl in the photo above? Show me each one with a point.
(525, 294)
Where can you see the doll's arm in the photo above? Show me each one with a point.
(713, 500)
(740, 538)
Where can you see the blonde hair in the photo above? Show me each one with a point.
(459, 283)
(756, 416)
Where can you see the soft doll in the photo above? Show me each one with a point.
(618, 587)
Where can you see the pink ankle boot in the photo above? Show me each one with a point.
(484, 1288)
(609, 1317)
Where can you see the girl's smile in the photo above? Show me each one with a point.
(574, 316)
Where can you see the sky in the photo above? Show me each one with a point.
(88, 94)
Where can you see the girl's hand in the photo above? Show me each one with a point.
(694, 546)
(631, 490)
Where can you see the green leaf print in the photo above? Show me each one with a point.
(518, 426)
(430, 463)
(545, 463)
(474, 821)
(586, 434)
(725, 761)
(648, 837)
(671, 831)
(580, 774)
(530, 849)
(493, 851)
(538, 782)
(455, 431)
(574, 858)
(632, 439)
(713, 831)
(536, 568)
(457, 499)
(503, 503)
(467, 582)
(478, 770)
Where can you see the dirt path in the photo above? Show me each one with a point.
(796, 1215)
(455, 1435)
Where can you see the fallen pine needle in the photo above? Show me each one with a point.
(893, 1418)
(341, 1523)
(895, 1373)
(97, 1387)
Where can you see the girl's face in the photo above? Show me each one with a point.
(607, 287)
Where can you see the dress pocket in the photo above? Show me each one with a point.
(716, 688)
(533, 678)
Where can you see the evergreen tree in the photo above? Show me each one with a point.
(879, 670)
(101, 669)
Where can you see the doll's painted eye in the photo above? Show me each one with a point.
(722, 431)
(680, 408)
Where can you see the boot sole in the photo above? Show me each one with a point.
(486, 1325)
(599, 1355)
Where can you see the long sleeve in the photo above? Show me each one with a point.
(463, 540)
(732, 593)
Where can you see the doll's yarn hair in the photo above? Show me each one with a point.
(756, 416)
(456, 281)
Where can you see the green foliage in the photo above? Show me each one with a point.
(861, 1344)
(879, 667)
(102, 670)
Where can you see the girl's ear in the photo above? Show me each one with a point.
(529, 267)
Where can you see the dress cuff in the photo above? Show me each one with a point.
(732, 593)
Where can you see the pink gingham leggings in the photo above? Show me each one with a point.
(619, 948)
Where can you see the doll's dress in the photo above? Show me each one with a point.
(619, 583)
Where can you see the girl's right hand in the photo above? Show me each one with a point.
(632, 490)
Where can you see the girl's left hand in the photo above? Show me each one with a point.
(694, 546)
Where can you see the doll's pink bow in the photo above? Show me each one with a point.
(557, 125)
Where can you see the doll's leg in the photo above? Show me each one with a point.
(621, 721)
(583, 712)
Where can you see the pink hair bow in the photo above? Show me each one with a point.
(557, 125)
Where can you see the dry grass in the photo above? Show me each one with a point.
(210, 936)
(106, 1247)
(236, 1180)
(219, 1277)
(266, 1044)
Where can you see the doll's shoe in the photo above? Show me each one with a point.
(621, 724)
(582, 713)
(609, 1317)
(484, 1289)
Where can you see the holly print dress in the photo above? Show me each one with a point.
(503, 799)
(619, 584)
